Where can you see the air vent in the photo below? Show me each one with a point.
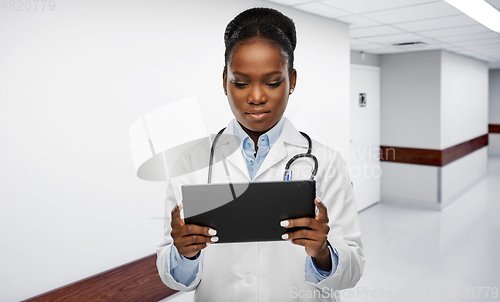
(418, 43)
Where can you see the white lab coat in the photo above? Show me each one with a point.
(269, 271)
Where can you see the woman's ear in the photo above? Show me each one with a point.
(224, 81)
(293, 79)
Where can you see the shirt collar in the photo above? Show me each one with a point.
(272, 134)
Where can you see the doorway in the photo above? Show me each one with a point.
(363, 158)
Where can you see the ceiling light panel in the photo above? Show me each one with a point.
(480, 11)
(374, 31)
(363, 6)
(322, 10)
(494, 3)
(437, 23)
(413, 13)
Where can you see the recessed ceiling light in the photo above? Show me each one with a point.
(480, 11)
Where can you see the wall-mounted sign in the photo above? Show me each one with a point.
(362, 100)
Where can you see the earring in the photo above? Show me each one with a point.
(291, 90)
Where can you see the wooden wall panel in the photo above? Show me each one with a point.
(415, 156)
(460, 150)
(432, 157)
(137, 281)
(494, 128)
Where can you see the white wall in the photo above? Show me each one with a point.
(464, 116)
(494, 96)
(459, 176)
(494, 111)
(415, 185)
(494, 144)
(74, 79)
(432, 100)
(464, 99)
(410, 96)
(369, 59)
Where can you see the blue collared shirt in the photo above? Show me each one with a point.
(184, 270)
(265, 142)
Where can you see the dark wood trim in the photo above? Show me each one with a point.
(428, 157)
(137, 281)
(432, 157)
(453, 153)
(494, 128)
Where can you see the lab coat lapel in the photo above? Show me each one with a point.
(229, 147)
(276, 154)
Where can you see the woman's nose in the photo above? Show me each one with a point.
(256, 95)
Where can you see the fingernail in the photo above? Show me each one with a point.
(212, 232)
(214, 239)
(284, 223)
(284, 236)
(319, 200)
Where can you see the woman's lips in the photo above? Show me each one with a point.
(257, 115)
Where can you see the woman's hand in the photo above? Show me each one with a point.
(189, 239)
(315, 239)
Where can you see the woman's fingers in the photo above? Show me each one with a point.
(177, 221)
(190, 244)
(314, 234)
(191, 250)
(311, 223)
(304, 234)
(191, 238)
(313, 241)
(322, 215)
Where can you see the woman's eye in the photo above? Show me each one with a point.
(275, 84)
(239, 85)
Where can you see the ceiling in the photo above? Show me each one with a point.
(376, 25)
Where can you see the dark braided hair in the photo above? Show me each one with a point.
(262, 22)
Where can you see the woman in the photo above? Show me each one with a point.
(258, 78)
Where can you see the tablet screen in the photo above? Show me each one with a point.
(248, 212)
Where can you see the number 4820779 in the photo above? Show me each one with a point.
(27, 5)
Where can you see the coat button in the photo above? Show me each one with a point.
(249, 279)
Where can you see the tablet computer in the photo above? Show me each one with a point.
(248, 212)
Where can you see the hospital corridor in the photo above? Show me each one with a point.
(249, 150)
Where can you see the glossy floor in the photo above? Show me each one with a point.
(422, 255)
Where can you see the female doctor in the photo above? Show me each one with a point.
(308, 264)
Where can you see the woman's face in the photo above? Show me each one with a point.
(257, 84)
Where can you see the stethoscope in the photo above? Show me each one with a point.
(286, 175)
